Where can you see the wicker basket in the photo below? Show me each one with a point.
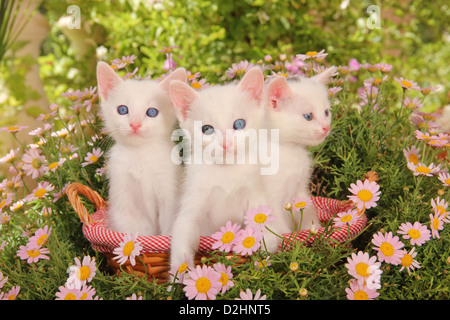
(155, 254)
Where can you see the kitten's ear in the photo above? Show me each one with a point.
(325, 76)
(177, 74)
(253, 83)
(278, 89)
(182, 96)
(107, 79)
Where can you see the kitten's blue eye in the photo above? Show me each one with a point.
(327, 112)
(207, 129)
(239, 124)
(152, 112)
(122, 109)
(308, 116)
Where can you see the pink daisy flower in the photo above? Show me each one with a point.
(412, 103)
(384, 67)
(204, 283)
(40, 237)
(407, 84)
(34, 163)
(68, 293)
(422, 136)
(301, 203)
(361, 266)
(417, 233)
(248, 241)
(10, 157)
(180, 271)
(82, 272)
(134, 297)
(365, 194)
(2, 280)
(388, 247)
(238, 69)
(11, 295)
(314, 55)
(128, 249)
(92, 157)
(248, 295)
(412, 154)
(346, 218)
(423, 170)
(226, 237)
(13, 129)
(440, 206)
(225, 276)
(359, 291)
(87, 292)
(258, 217)
(41, 191)
(436, 224)
(32, 253)
(444, 177)
(408, 261)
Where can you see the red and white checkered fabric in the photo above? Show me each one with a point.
(105, 240)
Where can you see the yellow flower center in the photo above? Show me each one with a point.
(346, 218)
(407, 260)
(447, 181)
(128, 248)
(311, 53)
(365, 195)
(361, 295)
(42, 240)
(423, 169)
(372, 69)
(93, 159)
(414, 234)
(240, 72)
(84, 273)
(196, 85)
(440, 209)
(40, 193)
(377, 81)
(223, 278)
(183, 267)
(53, 165)
(2, 203)
(406, 83)
(435, 223)
(362, 269)
(413, 158)
(248, 242)
(300, 204)
(83, 296)
(36, 163)
(33, 253)
(203, 284)
(260, 218)
(387, 249)
(70, 296)
(227, 237)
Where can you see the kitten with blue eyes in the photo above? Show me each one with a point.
(140, 117)
(215, 190)
(300, 109)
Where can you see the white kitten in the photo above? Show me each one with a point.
(214, 193)
(300, 109)
(140, 117)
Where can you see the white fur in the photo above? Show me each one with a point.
(287, 102)
(215, 193)
(142, 177)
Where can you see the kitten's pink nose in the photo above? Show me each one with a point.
(135, 126)
(326, 129)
